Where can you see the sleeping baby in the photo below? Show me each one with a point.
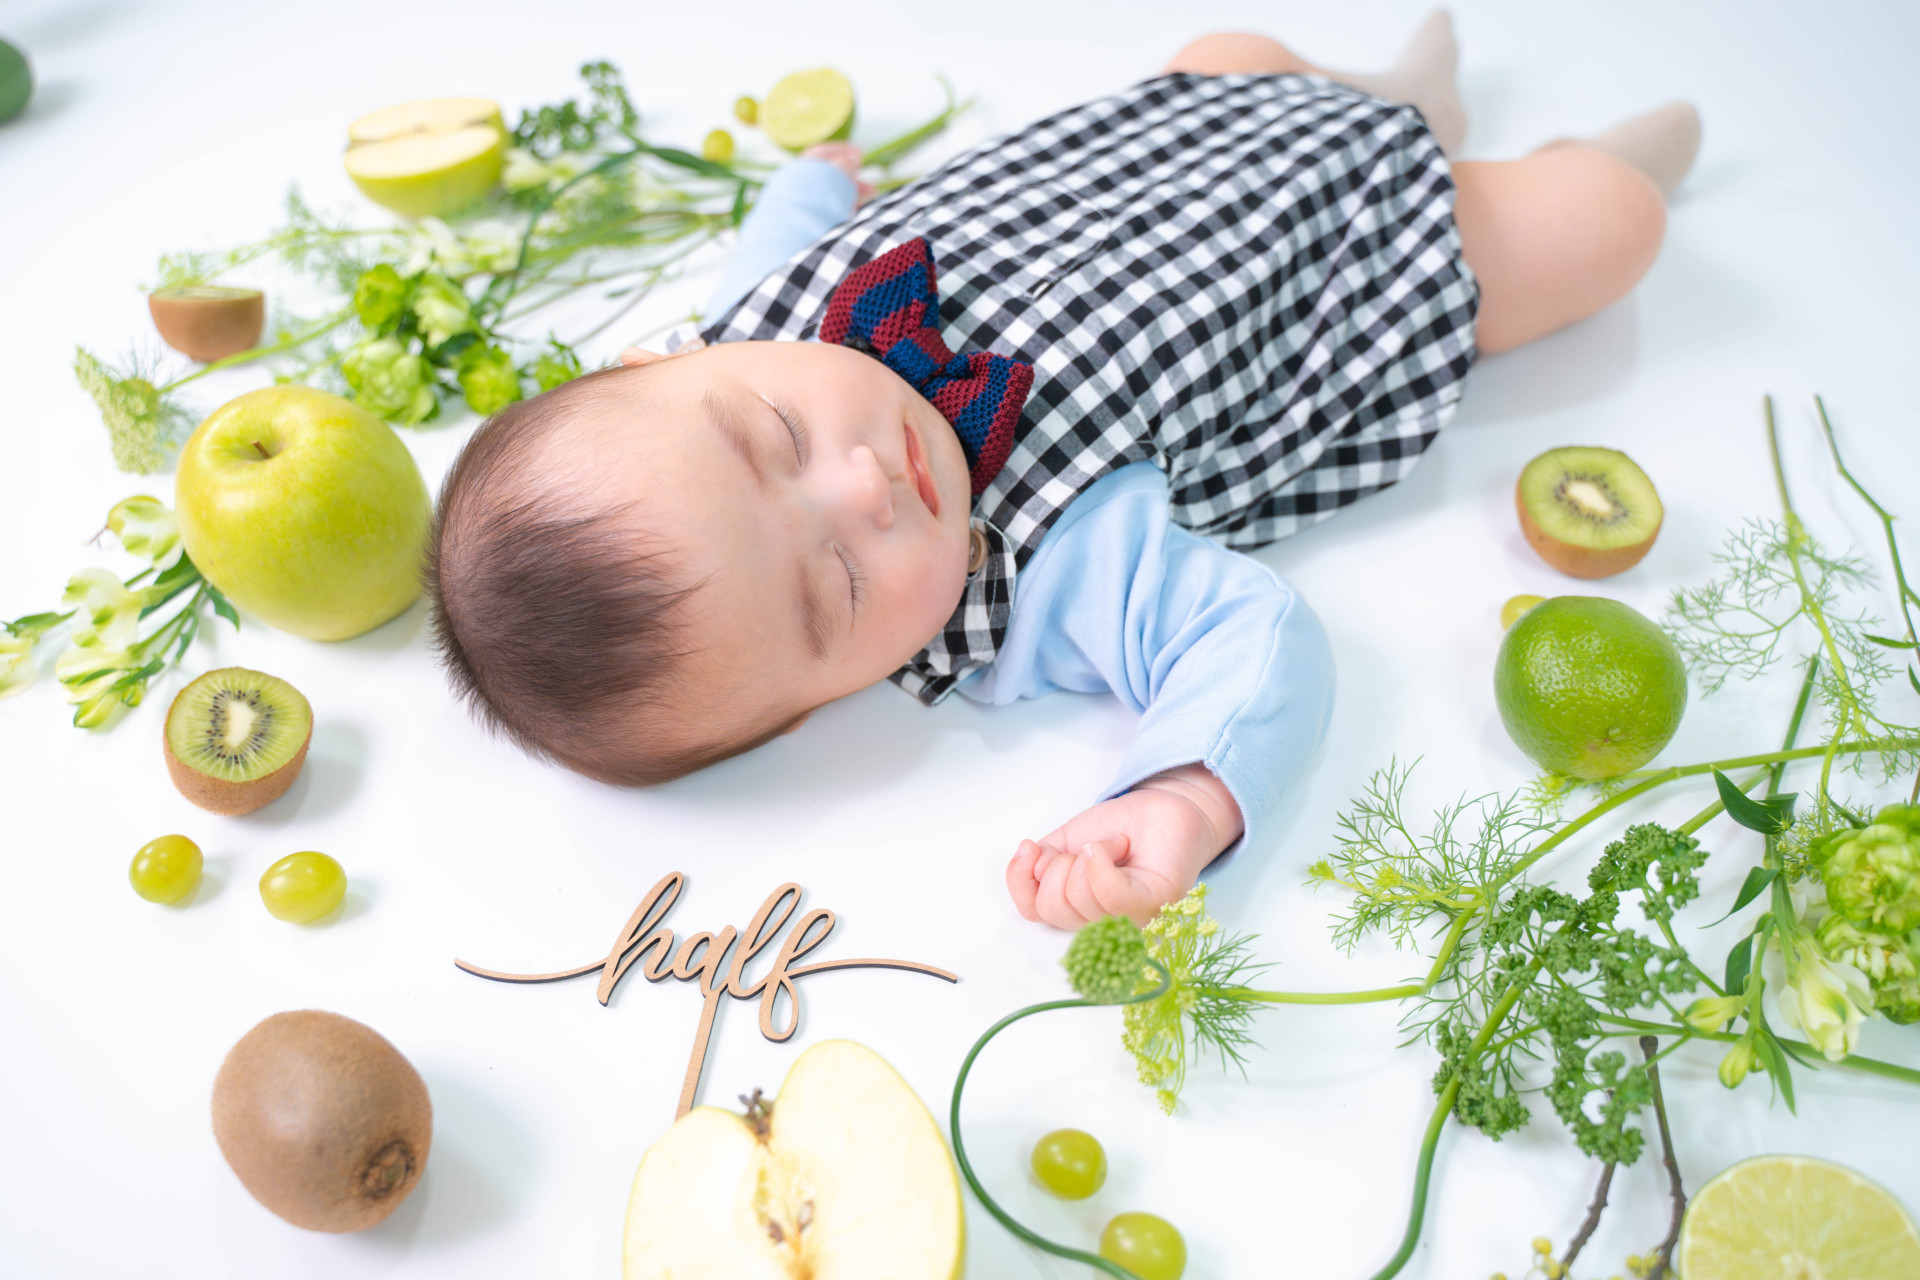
(1006, 430)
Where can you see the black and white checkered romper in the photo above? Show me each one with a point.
(1253, 281)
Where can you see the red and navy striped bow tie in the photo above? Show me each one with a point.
(889, 309)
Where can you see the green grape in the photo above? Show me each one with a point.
(302, 887)
(165, 870)
(1070, 1163)
(718, 147)
(746, 109)
(1146, 1245)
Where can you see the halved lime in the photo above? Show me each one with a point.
(1795, 1218)
(808, 107)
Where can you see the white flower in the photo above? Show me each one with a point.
(16, 662)
(1826, 999)
(147, 528)
(89, 673)
(487, 245)
(110, 612)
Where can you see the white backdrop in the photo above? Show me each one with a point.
(1789, 266)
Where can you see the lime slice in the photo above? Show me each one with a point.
(1796, 1218)
(808, 107)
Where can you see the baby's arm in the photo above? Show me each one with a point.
(1228, 668)
(801, 202)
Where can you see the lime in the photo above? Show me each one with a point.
(16, 81)
(808, 107)
(1795, 1218)
(1589, 687)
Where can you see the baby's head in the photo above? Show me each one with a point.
(655, 567)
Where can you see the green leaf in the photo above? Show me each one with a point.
(34, 623)
(223, 606)
(686, 160)
(1913, 679)
(1758, 878)
(137, 677)
(1769, 817)
(1776, 1064)
(739, 212)
(1739, 965)
(1799, 1054)
(1889, 643)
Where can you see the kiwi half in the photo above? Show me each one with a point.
(323, 1121)
(236, 739)
(209, 321)
(1589, 512)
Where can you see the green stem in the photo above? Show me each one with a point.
(1906, 593)
(261, 353)
(1467, 909)
(892, 149)
(1872, 1066)
(1672, 772)
(1845, 717)
(1423, 1170)
(991, 1205)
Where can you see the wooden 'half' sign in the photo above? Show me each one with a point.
(701, 957)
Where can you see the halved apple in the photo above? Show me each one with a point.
(843, 1176)
(428, 158)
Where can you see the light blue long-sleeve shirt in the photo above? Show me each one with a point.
(1223, 661)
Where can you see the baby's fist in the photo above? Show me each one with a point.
(1128, 856)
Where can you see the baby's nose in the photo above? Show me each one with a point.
(869, 491)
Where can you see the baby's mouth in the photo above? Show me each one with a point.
(917, 469)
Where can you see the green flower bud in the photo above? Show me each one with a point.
(1107, 961)
(442, 309)
(558, 365)
(488, 378)
(1873, 874)
(1710, 1013)
(380, 298)
(391, 381)
(1740, 1059)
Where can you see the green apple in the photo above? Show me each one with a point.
(428, 158)
(844, 1176)
(305, 509)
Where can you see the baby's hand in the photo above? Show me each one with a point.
(1127, 856)
(847, 158)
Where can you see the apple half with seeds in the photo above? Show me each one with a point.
(843, 1176)
(430, 158)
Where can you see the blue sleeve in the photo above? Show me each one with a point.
(1226, 665)
(801, 202)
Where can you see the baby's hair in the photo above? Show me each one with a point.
(560, 626)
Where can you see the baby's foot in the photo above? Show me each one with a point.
(1660, 143)
(1425, 77)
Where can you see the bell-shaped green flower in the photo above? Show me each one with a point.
(16, 662)
(1740, 1059)
(1889, 961)
(442, 309)
(1107, 961)
(488, 379)
(380, 299)
(146, 528)
(89, 674)
(1710, 1013)
(1873, 874)
(109, 611)
(1826, 999)
(391, 381)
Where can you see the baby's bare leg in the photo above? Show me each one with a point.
(1229, 53)
(1553, 237)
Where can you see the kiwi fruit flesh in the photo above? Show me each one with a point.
(323, 1121)
(1589, 512)
(208, 321)
(235, 739)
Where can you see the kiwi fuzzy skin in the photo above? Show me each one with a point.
(209, 328)
(322, 1120)
(1580, 562)
(219, 795)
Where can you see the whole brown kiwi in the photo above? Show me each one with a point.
(209, 322)
(323, 1120)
